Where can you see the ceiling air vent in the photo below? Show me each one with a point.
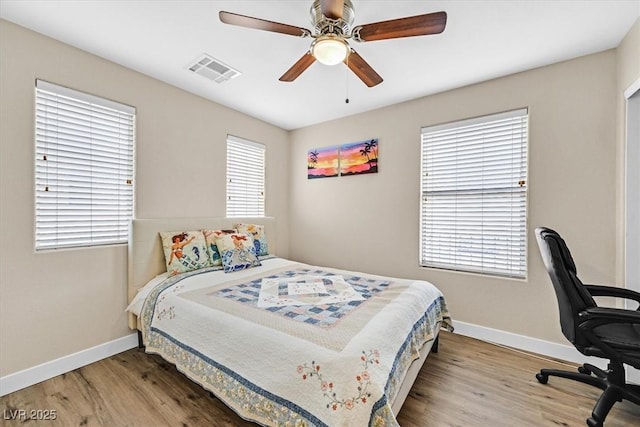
(213, 69)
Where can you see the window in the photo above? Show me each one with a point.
(473, 207)
(245, 178)
(83, 168)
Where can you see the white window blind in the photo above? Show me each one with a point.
(83, 168)
(474, 193)
(245, 178)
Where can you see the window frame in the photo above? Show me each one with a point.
(84, 147)
(473, 250)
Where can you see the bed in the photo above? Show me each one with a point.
(284, 343)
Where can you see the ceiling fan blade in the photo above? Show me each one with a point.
(332, 9)
(262, 24)
(362, 69)
(420, 25)
(298, 68)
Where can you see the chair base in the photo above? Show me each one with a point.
(611, 381)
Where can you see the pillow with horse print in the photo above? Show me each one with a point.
(184, 251)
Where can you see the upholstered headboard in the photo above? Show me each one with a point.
(145, 255)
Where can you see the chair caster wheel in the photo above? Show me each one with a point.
(593, 423)
(542, 379)
(584, 370)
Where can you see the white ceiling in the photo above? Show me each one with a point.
(482, 40)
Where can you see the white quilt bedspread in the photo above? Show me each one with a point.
(330, 348)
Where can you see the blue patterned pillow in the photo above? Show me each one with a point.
(259, 237)
(237, 251)
(210, 237)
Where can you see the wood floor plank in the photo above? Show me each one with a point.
(467, 383)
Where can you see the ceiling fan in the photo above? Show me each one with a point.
(332, 26)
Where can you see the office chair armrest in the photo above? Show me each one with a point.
(612, 291)
(604, 315)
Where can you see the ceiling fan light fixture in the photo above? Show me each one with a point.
(330, 49)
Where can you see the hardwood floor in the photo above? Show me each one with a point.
(467, 383)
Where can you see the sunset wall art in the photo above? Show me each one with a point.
(358, 158)
(322, 162)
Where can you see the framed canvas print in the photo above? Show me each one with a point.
(358, 158)
(322, 162)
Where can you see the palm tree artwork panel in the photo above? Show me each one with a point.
(322, 162)
(358, 158)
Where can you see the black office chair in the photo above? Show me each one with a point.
(609, 333)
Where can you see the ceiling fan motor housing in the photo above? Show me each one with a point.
(324, 25)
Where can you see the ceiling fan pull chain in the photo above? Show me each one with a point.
(346, 74)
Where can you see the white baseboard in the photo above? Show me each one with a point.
(521, 342)
(31, 376)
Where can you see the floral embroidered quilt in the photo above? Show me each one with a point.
(293, 344)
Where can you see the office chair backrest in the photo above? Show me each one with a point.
(570, 291)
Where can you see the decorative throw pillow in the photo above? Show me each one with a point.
(210, 237)
(184, 251)
(237, 251)
(258, 234)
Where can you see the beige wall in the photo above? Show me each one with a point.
(53, 304)
(628, 62)
(370, 222)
